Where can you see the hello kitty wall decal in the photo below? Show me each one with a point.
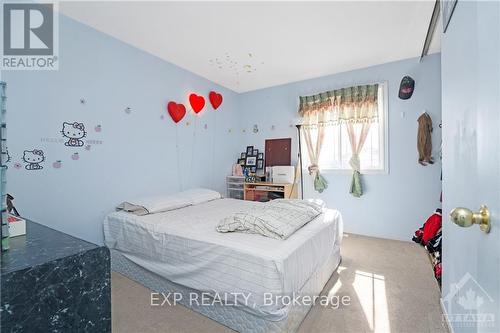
(177, 111)
(73, 132)
(33, 158)
(8, 159)
(73, 135)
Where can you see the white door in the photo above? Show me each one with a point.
(471, 165)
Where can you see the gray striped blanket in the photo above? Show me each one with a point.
(277, 219)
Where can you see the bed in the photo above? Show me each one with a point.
(180, 251)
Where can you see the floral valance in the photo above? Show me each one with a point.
(358, 104)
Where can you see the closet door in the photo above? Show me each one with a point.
(470, 60)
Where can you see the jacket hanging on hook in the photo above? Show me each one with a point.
(424, 139)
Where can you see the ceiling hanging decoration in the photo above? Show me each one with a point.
(176, 111)
(215, 99)
(197, 102)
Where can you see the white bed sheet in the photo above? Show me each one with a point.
(183, 246)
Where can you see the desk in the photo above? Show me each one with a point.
(265, 191)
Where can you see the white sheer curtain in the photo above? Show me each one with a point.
(314, 151)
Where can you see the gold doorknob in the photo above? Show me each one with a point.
(464, 217)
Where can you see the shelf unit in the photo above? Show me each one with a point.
(4, 231)
(234, 187)
(265, 191)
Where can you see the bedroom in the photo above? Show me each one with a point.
(250, 166)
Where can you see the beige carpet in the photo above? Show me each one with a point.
(390, 284)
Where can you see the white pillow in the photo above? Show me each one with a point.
(154, 204)
(158, 204)
(197, 196)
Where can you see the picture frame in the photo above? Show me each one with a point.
(249, 150)
(255, 152)
(260, 164)
(243, 155)
(447, 8)
(251, 161)
(260, 156)
(241, 161)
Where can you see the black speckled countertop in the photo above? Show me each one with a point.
(53, 282)
(40, 245)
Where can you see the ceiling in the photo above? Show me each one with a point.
(246, 46)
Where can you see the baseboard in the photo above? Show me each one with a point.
(445, 315)
(382, 237)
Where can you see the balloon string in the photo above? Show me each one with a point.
(213, 149)
(193, 148)
(178, 157)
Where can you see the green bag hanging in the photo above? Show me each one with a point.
(320, 183)
(356, 189)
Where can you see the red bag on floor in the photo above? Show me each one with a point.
(438, 271)
(432, 226)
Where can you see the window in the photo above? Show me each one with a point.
(336, 151)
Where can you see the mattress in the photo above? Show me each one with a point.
(183, 246)
(230, 316)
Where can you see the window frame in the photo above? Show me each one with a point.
(383, 147)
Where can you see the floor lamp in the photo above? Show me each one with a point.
(300, 163)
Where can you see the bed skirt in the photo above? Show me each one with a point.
(233, 317)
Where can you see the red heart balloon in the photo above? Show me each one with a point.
(215, 99)
(197, 102)
(176, 111)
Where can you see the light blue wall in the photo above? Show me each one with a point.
(138, 154)
(394, 204)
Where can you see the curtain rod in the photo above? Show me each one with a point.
(379, 82)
